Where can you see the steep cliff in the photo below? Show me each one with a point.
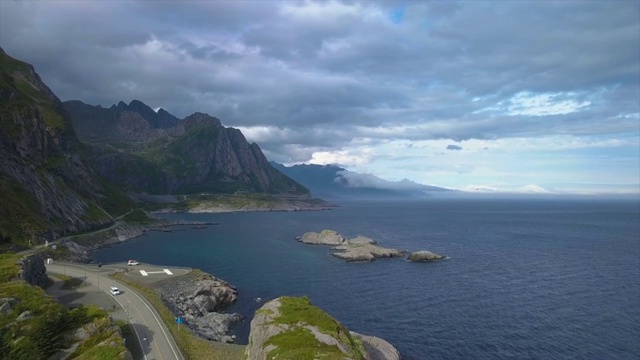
(44, 182)
(155, 152)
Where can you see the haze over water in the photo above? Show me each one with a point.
(525, 279)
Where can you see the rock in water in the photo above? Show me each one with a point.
(419, 256)
(287, 327)
(357, 252)
(326, 237)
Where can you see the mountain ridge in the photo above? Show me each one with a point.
(335, 182)
(194, 154)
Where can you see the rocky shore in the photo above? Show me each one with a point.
(80, 247)
(201, 299)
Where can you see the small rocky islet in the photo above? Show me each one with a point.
(362, 248)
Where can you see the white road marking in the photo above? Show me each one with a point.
(144, 273)
(168, 271)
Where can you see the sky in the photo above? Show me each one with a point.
(511, 96)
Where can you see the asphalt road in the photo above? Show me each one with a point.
(154, 338)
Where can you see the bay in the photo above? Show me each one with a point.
(524, 279)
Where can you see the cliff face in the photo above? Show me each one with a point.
(156, 153)
(44, 182)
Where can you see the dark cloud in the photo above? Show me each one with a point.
(454, 147)
(319, 74)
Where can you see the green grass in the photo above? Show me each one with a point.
(8, 268)
(299, 343)
(51, 325)
(192, 347)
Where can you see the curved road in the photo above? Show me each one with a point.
(153, 336)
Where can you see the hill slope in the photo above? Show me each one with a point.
(44, 182)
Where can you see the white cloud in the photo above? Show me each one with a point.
(542, 104)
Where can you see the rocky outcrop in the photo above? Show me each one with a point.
(33, 271)
(200, 299)
(325, 237)
(286, 326)
(358, 249)
(423, 256)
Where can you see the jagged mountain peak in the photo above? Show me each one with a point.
(198, 117)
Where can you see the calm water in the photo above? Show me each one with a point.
(524, 280)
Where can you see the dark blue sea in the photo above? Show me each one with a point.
(524, 279)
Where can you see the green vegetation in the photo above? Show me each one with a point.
(192, 347)
(300, 343)
(19, 214)
(46, 327)
(139, 217)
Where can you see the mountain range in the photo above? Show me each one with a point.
(335, 183)
(71, 167)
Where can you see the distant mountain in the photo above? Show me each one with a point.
(45, 183)
(157, 153)
(334, 182)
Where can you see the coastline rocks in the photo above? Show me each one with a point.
(288, 326)
(424, 256)
(200, 298)
(326, 237)
(378, 348)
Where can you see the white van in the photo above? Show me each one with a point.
(114, 291)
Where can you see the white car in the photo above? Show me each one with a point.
(114, 291)
(132, 262)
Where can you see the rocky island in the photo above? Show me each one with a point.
(361, 248)
(358, 249)
(292, 328)
(424, 256)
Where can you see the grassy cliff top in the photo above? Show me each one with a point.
(305, 325)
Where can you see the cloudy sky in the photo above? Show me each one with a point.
(506, 95)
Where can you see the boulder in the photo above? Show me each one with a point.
(212, 295)
(33, 271)
(325, 237)
(422, 256)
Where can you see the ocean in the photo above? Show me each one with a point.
(524, 279)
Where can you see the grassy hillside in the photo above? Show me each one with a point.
(35, 326)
